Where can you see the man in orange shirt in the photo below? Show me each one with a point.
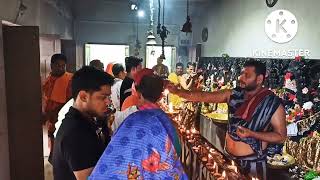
(56, 92)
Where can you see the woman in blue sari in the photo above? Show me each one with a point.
(146, 145)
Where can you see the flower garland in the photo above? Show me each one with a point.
(306, 124)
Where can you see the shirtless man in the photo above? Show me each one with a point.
(257, 118)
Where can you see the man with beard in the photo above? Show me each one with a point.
(175, 78)
(257, 118)
(56, 92)
(77, 146)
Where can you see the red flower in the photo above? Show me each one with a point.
(152, 164)
(292, 97)
(300, 114)
(290, 118)
(288, 76)
(311, 134)
(298, 58)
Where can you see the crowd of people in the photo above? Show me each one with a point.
(109, 125)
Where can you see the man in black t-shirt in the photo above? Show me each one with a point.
(77, 146)
(133, 66)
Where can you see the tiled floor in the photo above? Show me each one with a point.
(48, 173)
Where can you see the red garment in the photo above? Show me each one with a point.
(149, 106)
(144, 72)
(133, 100)
(247, 109)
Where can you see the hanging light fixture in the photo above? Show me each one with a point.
(162, 30)
(271, 3)
(134, 6)
(151, 40)
(138, 43)
(187, 26)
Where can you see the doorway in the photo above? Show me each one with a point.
(106, 53)
(153, 52)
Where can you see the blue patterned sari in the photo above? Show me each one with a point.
(144, 147)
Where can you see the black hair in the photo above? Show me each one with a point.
(260, 67)
(132, 62)
(151, 87)
(89, 79)
(93, 62)
(190, 64)
(179, 64)
(116, 69)
(56, 57)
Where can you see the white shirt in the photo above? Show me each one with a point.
(115, 93)
(120, 116)
(63, 111)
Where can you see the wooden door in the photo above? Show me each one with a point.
(23, 101)
(4, 139)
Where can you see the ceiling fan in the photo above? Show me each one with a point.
(271, 3)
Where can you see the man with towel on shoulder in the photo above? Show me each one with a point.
(257, 118)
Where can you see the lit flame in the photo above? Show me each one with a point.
(166, 92)
(216, 167)
(193, 130)
(224, 174)
(232, 162)
(171, 107)
(236, 170)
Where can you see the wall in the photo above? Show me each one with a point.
(43, 13)
(112, 22)
(237, 27)
(56, 22)
(9, 10)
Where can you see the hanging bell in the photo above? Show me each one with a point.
(151, 40)
(187, 26)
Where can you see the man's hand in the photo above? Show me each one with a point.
(201, 78)
(193, 74)
(243, 132)
(279, 133)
